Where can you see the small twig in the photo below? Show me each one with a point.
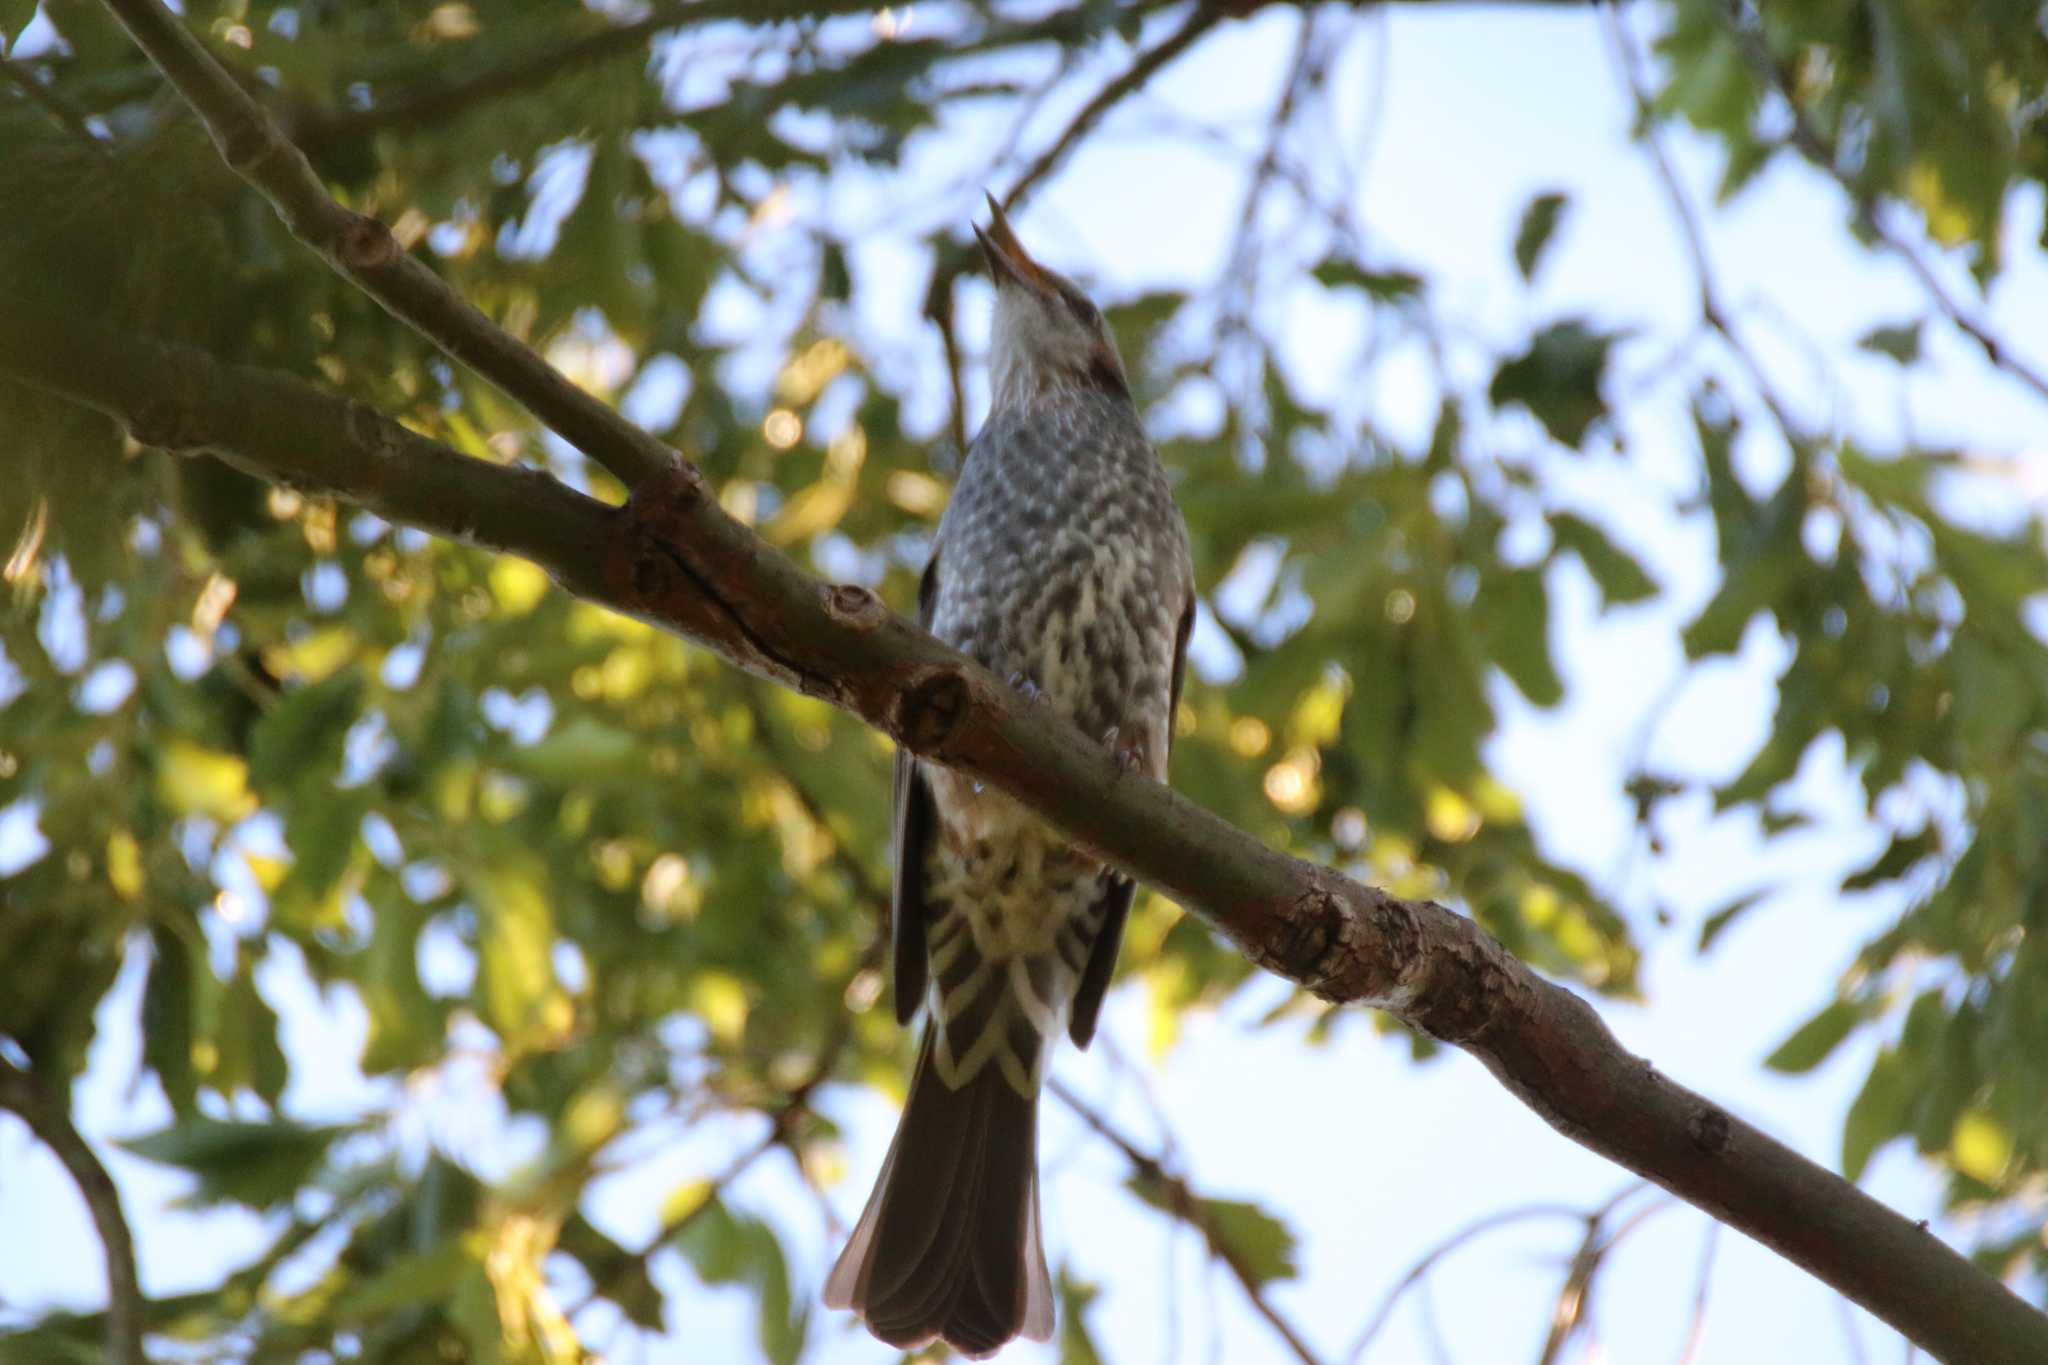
(1820, 151)
(1847, 1314)
(1416, 1273)
(1300, 69)
(1572, 1313)
(1696, 1321)
(1187, 1206)
(47, 1118)
(1147, 65)
(1628, 66)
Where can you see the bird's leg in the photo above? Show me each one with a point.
(1129, 756)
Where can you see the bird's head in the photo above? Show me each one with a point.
(1047, 334)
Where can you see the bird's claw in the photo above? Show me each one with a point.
(1129, 757)
(1029, 690)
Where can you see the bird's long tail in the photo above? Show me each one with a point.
(949, 1243)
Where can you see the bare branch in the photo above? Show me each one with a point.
(48, 1117)
(1628, 65)
(1696, 1321)
(1572, 1312)
(1471, 1231)
(1183, 1203)
(1148, 64)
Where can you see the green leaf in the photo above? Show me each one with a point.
(323, 829)
(620, 1275)
(167, 1018)
(1539, 223)
(1878, 1113)
(1254, 1240)
(724, 1247)
(1901, 341)
(1813, 1040)
(1558, 379)
(419, 1277)
(1513, 610)
(1900, 856)
(15, 16)
(582, 750)
(302, 735)
(1387, 286)
(1717, 922)
(1076, 1346)
(257, 1164)
(515, 946)
(1614, 571)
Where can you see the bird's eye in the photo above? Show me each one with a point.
(1087, 312)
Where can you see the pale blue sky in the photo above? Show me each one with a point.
(1370, 1160)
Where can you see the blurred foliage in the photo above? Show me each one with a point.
(260, 734)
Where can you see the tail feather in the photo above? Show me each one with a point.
(948, 1246)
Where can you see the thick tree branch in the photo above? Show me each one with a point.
(48, 1117)
(364, 250)
(674, 558)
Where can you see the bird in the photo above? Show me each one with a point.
(1061, 563)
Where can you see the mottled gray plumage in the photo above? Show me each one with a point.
(1063, 564)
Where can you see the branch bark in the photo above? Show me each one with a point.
(672, 557)
(363, 250)
(47, 1117)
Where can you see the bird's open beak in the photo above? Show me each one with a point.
(1007, 259)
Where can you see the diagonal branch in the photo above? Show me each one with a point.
(46, 1117)
(1713, 308)
(1188, 1207)
(1207, 15)
(363, 249)
(1419, 1272)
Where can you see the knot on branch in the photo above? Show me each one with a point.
(931, 709)
(364, 244)
(1709, 1129)
(854, 607)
